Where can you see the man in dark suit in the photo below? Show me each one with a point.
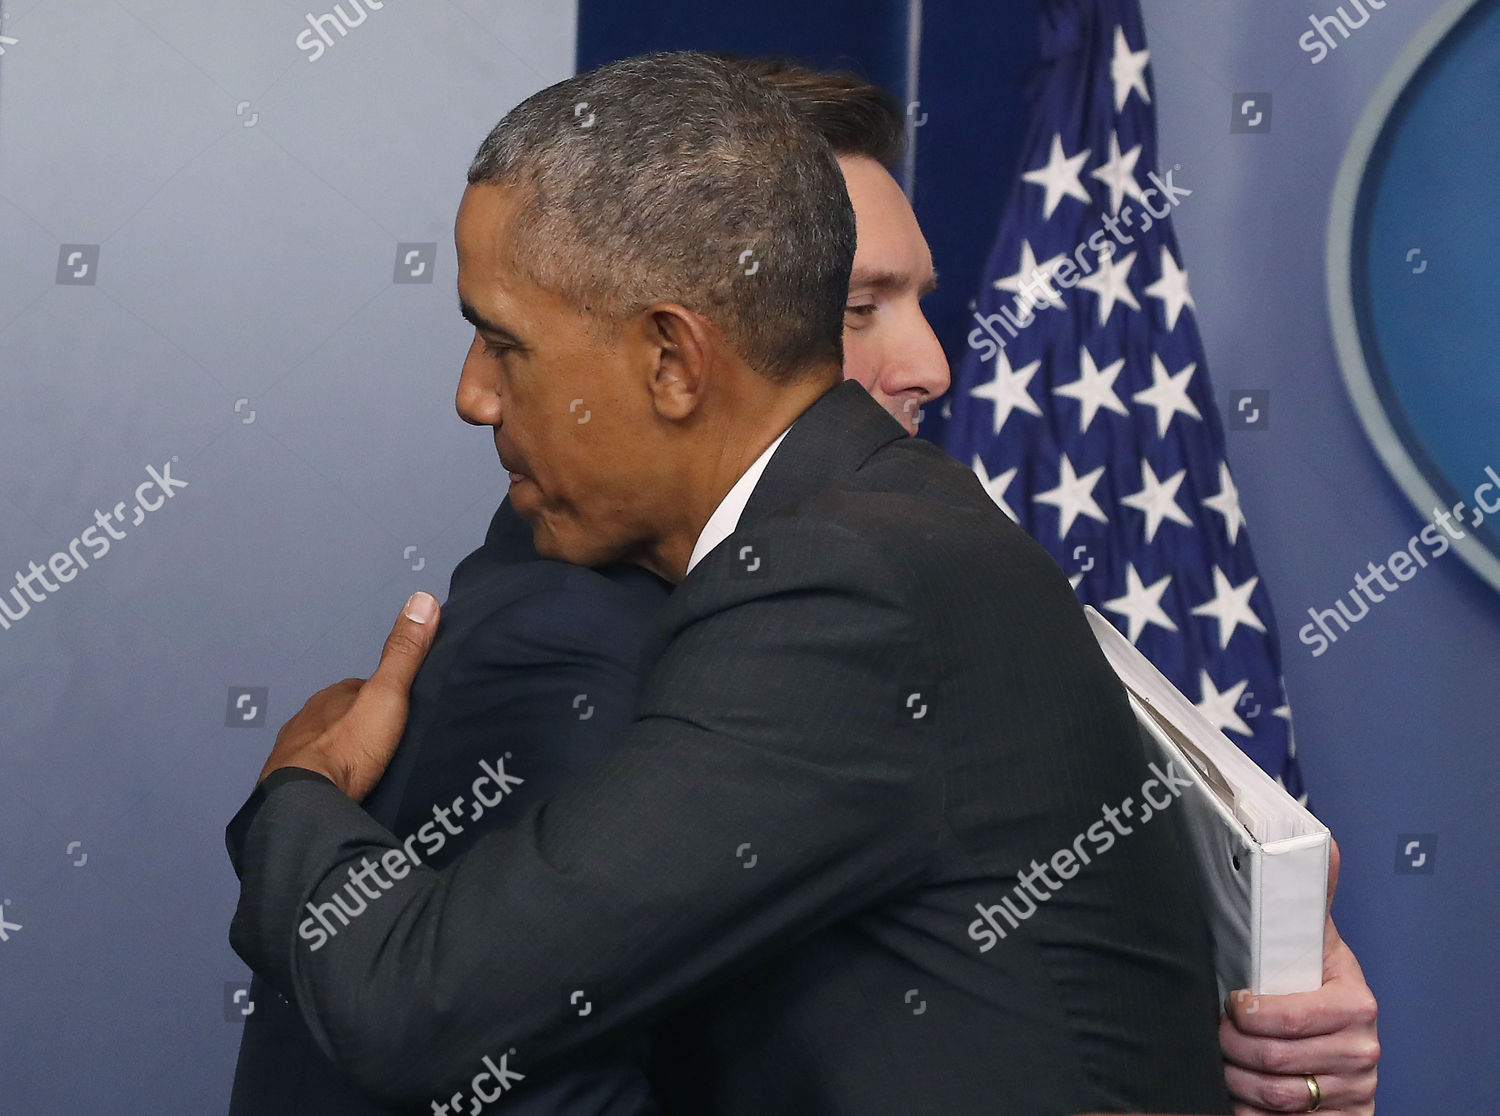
(1280, 1052)
(871, 705)
(533, 672)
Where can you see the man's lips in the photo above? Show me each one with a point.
(514, 473)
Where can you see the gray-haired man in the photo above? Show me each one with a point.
(871, 704)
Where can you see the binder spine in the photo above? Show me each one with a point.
(1289, 895)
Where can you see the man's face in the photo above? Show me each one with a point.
(888, 345)
(572, 426)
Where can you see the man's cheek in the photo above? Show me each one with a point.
(857, 366)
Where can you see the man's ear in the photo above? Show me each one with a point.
(683, 352)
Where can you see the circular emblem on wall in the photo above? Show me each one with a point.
(1414, 275)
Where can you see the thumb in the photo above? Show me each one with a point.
(1333, 872)
(1332, 941)
(375, 721)
(404, 650)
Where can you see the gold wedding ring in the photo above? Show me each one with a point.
(1314, 1093)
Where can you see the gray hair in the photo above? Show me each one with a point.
(678, 177)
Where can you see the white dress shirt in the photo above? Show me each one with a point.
(726, 516)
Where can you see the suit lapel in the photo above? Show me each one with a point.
(828, 443)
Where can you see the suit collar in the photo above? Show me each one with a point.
(726, 517)
(830, 440)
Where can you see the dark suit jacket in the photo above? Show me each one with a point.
(534, 668)
(864, 714)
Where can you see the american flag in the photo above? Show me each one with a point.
(1084, 403)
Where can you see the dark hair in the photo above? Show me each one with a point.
(855, 117)
(679, 177)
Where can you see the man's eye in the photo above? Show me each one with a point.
(496, 350)
(864, 310)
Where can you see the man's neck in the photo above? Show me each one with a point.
(709, 478)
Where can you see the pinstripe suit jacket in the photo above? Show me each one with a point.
(865, 716)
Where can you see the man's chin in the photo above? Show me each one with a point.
(547, 545)
(544, 539)
(571, 546)
(561, 535)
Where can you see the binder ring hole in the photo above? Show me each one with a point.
(1234, 859)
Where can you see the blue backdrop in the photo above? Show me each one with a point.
(230, 261)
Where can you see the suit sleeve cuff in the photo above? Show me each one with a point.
(238, 828)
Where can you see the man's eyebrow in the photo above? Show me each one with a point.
(478, 321)
(887, 282)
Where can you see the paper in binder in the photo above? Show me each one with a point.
(1261, 856)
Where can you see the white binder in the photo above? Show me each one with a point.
(1262, 857)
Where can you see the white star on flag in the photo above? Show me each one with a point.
(1059, 177)
(1127, 69)
(1111, 282)
(1032, 282)
(995, 486)
(1119, 174)
(1168, 395)
(1220, 708)
(1158, 499)
(1074, 496)
(1141, 604)
(1094, 388)
(1227, 503)
(1230, 606)
(1171, 289)
(1123, 387)
(1008, 390)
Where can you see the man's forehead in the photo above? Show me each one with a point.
(892, 253)
(880, 277)
(491, 295)
(487, 278)
(485, 213)
(477, 318)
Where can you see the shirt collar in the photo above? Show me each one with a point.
(726, 516)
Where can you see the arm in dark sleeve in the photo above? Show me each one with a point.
(774, 727)
(538, 687)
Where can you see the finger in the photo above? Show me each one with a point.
(404, 650)
(1277, 1093)
(1338, 1004)
(1340, 1053)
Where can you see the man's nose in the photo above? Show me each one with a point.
(477, 401)
(919, 365)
